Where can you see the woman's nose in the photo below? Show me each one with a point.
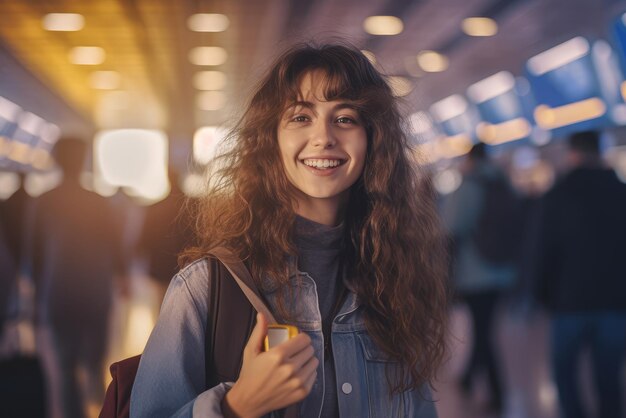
(323, 135)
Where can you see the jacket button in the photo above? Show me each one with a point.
(346, 388)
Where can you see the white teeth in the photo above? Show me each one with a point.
(322, 163)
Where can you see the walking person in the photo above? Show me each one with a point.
(482, 216)
(76, 260)
(581, 277)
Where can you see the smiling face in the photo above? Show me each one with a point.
(323, 145)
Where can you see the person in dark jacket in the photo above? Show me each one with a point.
(581, 276)
(76, 257)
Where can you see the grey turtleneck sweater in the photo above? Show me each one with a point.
(319, 254)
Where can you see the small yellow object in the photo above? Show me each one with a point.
(277, 334)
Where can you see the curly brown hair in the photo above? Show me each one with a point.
(395, 253)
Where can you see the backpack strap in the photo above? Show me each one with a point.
(242, 276)
(231, 318)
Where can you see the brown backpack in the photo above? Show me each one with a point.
(232, 306)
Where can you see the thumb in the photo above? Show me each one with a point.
(255, 343)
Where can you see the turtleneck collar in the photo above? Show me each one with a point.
(310, 235)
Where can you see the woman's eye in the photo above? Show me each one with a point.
(346, 119)
(300, 118)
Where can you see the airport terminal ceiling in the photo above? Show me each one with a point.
(143, 76)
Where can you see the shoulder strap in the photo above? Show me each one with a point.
(242, 276)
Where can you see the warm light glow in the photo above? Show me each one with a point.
(194, 185)
(140, 324)
(105, 80)
(211, 100)
(491, 87)
(500, 133)
(400, 86)
(206, 141)
(64, 22)
(208, 22)
(208, 55)
(5, 146)
(9, 183)
(369, 55)
(383, 25)
(209, 80)
(454, 146)
(479, 26)
(449, 107)
(133, 158)
(432, 62)
(551, 118)
(37, 183)
(445, 147)
(558, 56)
(41, 159)
(87, 55)
(623, 90)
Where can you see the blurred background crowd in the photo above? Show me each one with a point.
(111, 109)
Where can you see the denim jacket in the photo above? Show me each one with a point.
(170, 380)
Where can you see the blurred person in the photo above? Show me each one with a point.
(8, 275)
(581, 270)
(166, 233)
(15, 214)
(15, 219)
(75, 260)
(482, 216)
(319, 197)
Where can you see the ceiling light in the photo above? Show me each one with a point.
(491, 87)
(208, 22)
(87, 55)
(432, 62)
(499, 133)
(63, 22)
(383, 25)
(555, 117)
(479, 26)
(205, 143)
(105, 80)
(208, 55)
(448, 108)
(209, 80)
(9, 110)
(558, 56)
(211, 100)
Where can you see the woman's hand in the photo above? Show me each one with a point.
(274, 379)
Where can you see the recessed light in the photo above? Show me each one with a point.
(63, 22)
(383, 25)
(479, 26)
(432, 62)
(87, 55)
(208, 22)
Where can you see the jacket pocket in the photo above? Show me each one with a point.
(379, 371)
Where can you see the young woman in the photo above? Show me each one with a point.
(321, 197)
